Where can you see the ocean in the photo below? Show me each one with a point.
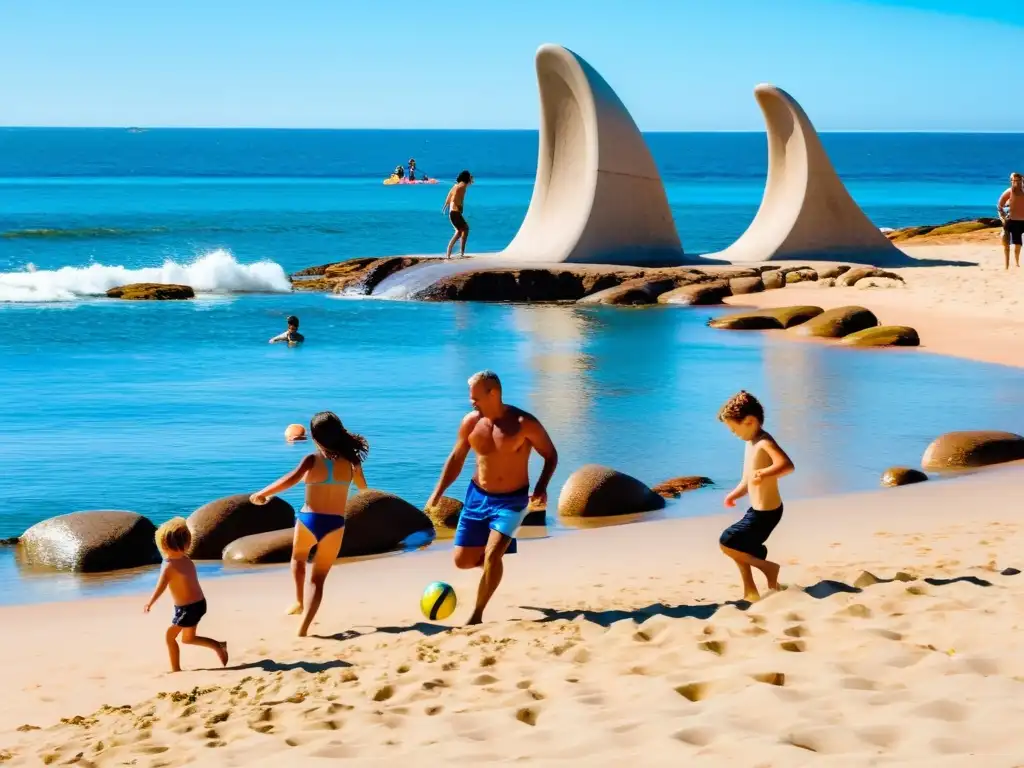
(160, 407)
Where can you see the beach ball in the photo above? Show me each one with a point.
(295, 432)
(438, 601)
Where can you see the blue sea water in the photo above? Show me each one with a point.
(159, 408)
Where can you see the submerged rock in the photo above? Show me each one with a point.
(377, 522)
(151, 292)
(838, 322)
(677, 486)
(966, 450)
(632, 293)
(884, 336)
(217, 524)
(596, 491)
(91, 542)
(895, 476)
(765, 319)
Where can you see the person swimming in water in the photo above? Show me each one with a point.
(328, 473)
(292, 335)
(455, 206)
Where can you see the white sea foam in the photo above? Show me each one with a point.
(214, 272)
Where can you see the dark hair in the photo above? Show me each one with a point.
(741, 405)
(293, 320)
(336, 441)
(465, 177)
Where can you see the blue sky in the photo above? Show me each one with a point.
(677, 64)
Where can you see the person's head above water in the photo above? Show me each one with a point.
(293, 323)
(464, 178)
(336, 442)
(485, 394)
(743, 414)
(294, 433)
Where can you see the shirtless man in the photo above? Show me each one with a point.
(1011, 213)
(764, 462)
(496, 503)
(454, 204)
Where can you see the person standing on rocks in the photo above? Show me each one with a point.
(1011, 213)
(499, 493)
(454, 205)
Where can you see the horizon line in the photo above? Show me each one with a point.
(989, 132)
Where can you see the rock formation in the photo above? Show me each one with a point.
(806, 211)
(596, 491)
(379, 522)
(151, 292)
(91, 542)
(965, 450)
(217, 524)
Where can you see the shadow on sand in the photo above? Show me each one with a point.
(700, 611)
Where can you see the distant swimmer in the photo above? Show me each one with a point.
(455, 206)
(764, 462)
(499, 493)
(295, 433)
(1011, 213)
(292, 335)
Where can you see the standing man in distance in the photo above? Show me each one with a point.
(502, 437)
(1011, 213)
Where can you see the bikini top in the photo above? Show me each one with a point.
(330, 475)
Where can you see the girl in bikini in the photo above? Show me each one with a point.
(327, 473)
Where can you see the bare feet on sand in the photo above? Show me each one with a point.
(222, 653)
(294, 610)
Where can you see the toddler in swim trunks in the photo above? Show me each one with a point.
(764, 462)
(178, 573)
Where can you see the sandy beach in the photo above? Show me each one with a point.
(973, 312)
(894, 643)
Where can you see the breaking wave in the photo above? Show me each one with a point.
(213, 272)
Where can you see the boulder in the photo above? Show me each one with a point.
(445, 516)
(802, 276)
(91, 542)
(596, 491)
(632, 293)
(764, 319)
(853, 276)
(377, 522)
(884, 336)
(741, 285)
(773, 280)
(677, 486)
(902, 476)
(217, 524)
(833, 273)
(838, 322)
(261, 548)
(965, 450)
(697, 294)
(151, 292)
(523, 285)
